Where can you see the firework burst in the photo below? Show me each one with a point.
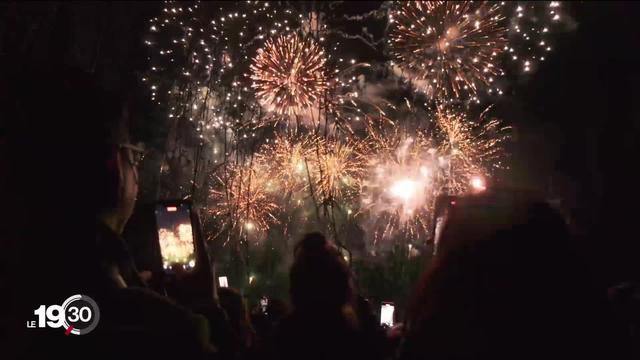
(468, 148)
(338, 170)
(397, 196)
(288, 158)
(242, 199)
(531, 24)
(448, 48)
(409, 169)
(331, 169)
(289, 74)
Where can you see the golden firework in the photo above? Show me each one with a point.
(408, 170)
(242, 198)
(339, 167)
(331, 169)
(469, 148)
(289, 74)
(448, 48)
(288, 159)
(398, 194)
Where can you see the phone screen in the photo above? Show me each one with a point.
(175, 233)
(264, 302)
(386, 314)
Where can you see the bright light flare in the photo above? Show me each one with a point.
(478, 183)
(404, 189)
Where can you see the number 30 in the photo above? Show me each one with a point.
(84, 314)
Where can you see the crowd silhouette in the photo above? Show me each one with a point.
(505, 282)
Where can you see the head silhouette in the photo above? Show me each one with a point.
(505, 279)
(319, 277)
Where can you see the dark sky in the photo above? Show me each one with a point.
(581, 129)
(577, 122)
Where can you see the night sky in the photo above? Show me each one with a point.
(576, 119)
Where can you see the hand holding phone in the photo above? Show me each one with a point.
(176, 235)
(188, 274)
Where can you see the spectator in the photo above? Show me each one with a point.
(77, 178)
(506, 285)
(265, 324)
(625, 300)
(236, 308)
(276, 310)
(369, 324)
(323, 324)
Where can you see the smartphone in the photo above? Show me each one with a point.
(175, 234)
(264, 303)
(223, 281)
(386, 314)
(346, 255)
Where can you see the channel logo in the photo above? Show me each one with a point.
(78, 315)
